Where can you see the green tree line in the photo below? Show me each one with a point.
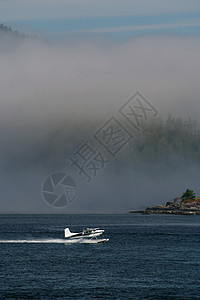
(169, 142)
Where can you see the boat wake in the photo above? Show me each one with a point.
(87, 236)
(55, 241)
(60, 241)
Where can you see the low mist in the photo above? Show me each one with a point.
(54, 97)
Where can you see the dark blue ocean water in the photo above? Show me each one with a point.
(147, 257)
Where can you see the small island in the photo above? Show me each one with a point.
(187, 204)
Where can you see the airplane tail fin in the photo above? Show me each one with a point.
(67, 233)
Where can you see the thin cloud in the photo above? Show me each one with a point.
(38, 81)
(188, 23)
(13, 10)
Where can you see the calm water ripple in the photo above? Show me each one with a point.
(147, 257)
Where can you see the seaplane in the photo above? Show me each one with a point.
(87, 235)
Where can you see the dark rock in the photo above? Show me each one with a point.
(192, 208)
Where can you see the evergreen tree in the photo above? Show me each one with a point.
(189, 194)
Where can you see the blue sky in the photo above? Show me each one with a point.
(103, 18)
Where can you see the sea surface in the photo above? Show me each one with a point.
(147, 257)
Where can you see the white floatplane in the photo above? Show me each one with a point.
(87, 235)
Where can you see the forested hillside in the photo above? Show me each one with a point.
(10, 39)
(171, 142)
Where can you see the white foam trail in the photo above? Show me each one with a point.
(34, 241)
(55, 241)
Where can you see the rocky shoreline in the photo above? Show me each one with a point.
(182, 208)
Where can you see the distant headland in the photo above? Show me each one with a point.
(187, 204)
